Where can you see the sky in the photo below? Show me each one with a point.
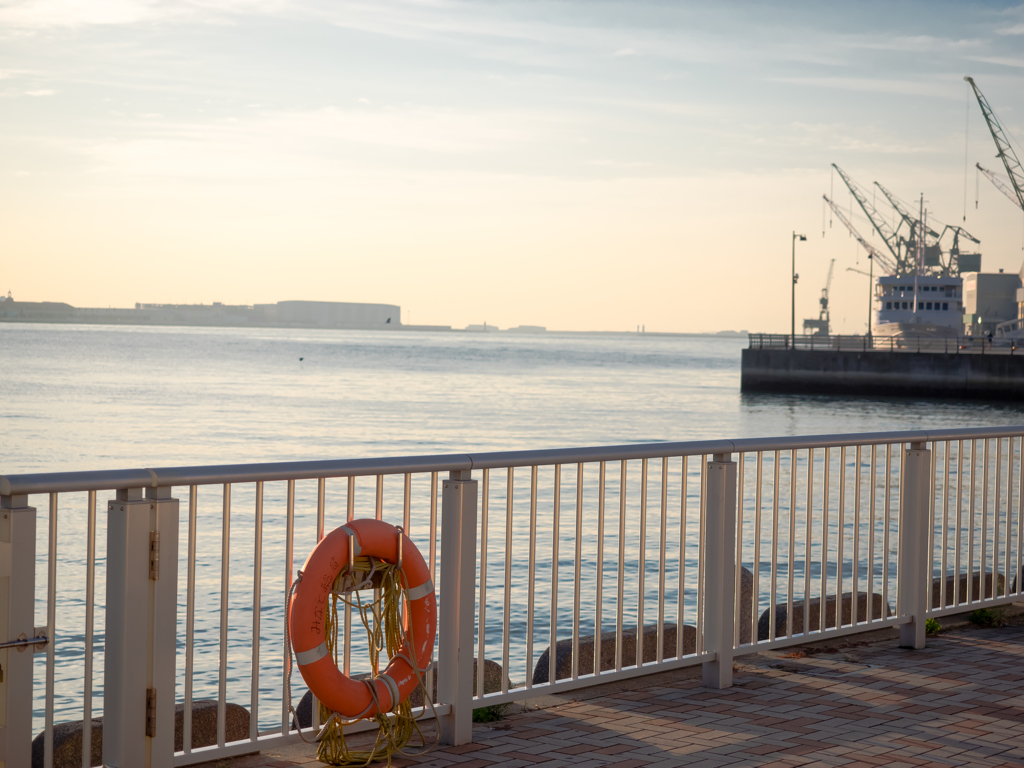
(576, 165)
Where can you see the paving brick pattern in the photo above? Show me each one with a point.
(958, 702)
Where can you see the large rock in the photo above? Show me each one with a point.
(204, 724)
(814, 615)
(563, 651)
(67, 745)
(959, 585)
(1017, 580)
(492, 684)
(67, 737)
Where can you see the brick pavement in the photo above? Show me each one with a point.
(957, 702)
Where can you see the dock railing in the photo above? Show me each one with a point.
(560, 569)
(962, 345)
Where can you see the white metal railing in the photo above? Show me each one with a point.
(952, 345)
(617, 561)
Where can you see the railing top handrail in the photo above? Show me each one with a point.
(163, 477)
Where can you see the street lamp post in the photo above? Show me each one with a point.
(792, 328)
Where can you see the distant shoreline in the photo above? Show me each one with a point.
(139, 322)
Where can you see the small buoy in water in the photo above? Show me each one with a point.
(301, 359)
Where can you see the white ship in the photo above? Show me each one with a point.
(919, 305)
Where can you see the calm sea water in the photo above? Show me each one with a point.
(102, 397)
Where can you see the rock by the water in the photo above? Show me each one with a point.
(67, 737)
(959, 585)
(878, 605)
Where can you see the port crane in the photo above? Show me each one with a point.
(885, 261)
(900, 263)
(999, 184)
(821, 325)
(903, 257)
(1004, 151)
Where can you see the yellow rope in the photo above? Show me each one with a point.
(382, 618)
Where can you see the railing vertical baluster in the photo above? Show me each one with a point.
(756, 568)
(321, 511)
(457, 614)
(578, 572)
(51, 632)
(888, 525)
(507, 615)
(622, 559)
(681, 603)
(720, 532)
(553, 627)
(808, 549)
(90, 603)
(945, 524)
(983, 562)
(531, 576)
(350, 515)
(930, 553)
(774, 597)
(701, 557)
(378, 505)
(190, 617)
(289, 544)
(481, 630)
(257, 592)
(599, 599)
(841, 539)
(855, 570)
(791, 552)
(959, 522)
(661, 562)
(429, 677)
(740, 487)
(827, 473)
(996, 513)
(1009, 504)
(1018, 573)
(641, 566)
(871, 534)
(225, 562)
(970, 530)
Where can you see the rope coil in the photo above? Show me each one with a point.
(382, 619)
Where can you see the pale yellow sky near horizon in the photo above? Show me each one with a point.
(577, 166)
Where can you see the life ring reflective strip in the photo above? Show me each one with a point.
(310, 602)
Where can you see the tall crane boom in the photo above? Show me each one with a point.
(909, 220)
(999, 184)
(885, 263)
(1003, 149)
(877, 221)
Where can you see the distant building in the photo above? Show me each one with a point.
(333, 314)
(528, 329)
(989, 299)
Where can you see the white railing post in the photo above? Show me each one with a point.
(719, 577)
(457, 605)
(141, 625)
(912, 574)
(17, 622)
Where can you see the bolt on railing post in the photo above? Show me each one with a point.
(141, 625)
(457, 606)
(17, 621)
(912, 574)
(719, 577)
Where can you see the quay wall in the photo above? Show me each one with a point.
(907, 374)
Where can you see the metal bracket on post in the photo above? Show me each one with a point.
(141, 626)
(719, 577)
(912, 576)
(17, 622)
(457, 606)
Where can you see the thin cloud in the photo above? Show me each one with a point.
(624, 52)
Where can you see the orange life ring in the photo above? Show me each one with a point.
(310, 602)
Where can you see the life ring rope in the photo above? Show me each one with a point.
(369, 553)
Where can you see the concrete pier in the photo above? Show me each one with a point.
(843, 369)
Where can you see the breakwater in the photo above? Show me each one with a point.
(934, 368)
